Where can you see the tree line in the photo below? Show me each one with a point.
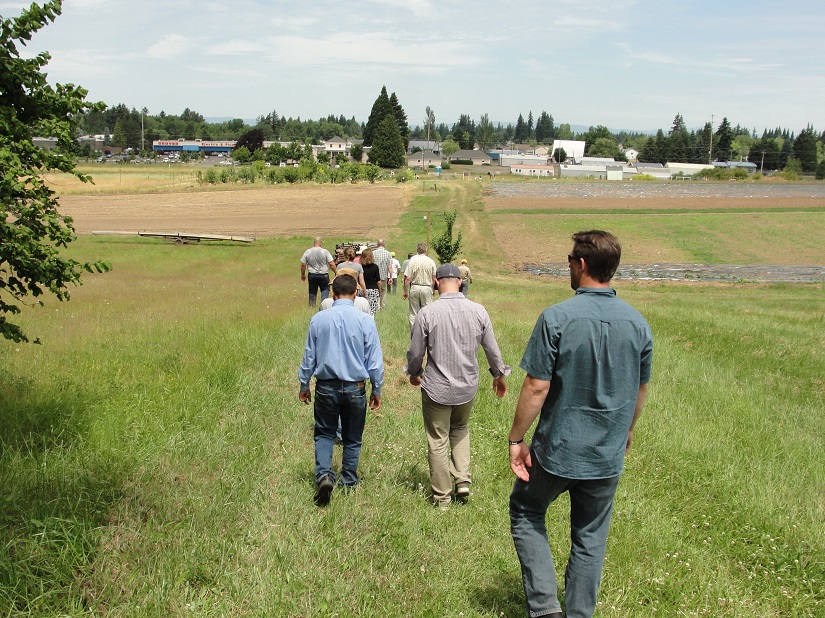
(770, 150)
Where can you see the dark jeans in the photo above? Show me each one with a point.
(591, 506)
(347, 401)
(317, 282)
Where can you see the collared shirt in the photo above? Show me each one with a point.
(450, 330)
(342, 343)
(360, 303)
(420, 270)
(317, 260)
(595, 350)
(382, 257)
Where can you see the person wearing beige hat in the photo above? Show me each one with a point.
(466, 277)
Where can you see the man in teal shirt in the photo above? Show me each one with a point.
(588, 363)
(342, 352)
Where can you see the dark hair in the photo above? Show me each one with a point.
(366, 257)
(601, 252)
(344, 285)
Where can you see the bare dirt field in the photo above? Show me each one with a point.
(304, 210)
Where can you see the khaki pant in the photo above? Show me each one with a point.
(383, 295)
(419, 296)
(448, 445)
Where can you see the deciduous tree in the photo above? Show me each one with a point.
(32, 230)
(444, 246)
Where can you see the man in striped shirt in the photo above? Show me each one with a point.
(450, 331)
(382, 258)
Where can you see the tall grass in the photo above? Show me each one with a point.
(156, 461)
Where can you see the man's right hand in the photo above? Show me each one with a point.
(375, 402)
(520, 460)
(305, 396)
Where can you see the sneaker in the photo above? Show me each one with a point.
(462, 490)
(324, 492)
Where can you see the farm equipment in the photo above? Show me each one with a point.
(180, 238)
(358, 246)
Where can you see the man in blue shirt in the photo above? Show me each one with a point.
(342, 352)
(588, 363)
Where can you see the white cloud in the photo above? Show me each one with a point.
(170, 46)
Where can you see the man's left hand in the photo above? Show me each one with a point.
(305, 396)
(415, 380)
(375, 402)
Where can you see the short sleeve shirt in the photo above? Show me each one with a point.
(317, 260)
(595, 350)
(420, 270)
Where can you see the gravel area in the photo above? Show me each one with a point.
(658, 189)
(700, 272)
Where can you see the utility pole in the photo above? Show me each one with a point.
(710, 152)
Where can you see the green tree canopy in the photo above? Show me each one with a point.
(253, 140)
(449, 147)
(387, 144)
(381, 108)
(32, 231)
(804, 149)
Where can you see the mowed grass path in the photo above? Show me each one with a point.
(156, 462)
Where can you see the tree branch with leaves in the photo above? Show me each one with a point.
(32, 230)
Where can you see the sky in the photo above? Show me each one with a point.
(626, 64)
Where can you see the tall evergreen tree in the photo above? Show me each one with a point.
(380, 110)
(723, 141)
(520, 134)
(678, 141)
(401, 119)
(387, 144)
(545, 130)
(530, 124)
(804, 149)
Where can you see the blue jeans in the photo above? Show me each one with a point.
(347, 401)
(591, 505)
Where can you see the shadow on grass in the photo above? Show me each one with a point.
(55, 494)
(503, 597)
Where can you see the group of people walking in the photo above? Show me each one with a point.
(377, 272)
(587, 365)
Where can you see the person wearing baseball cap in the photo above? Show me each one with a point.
(466, 277)
(449, 331)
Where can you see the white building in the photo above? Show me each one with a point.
(533, 170)
(573, 148)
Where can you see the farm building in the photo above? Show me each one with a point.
(478, 157)
(573, 148)
(424, 159)
(657, 170)
(533, 170)
(687, 169)
(521, 159)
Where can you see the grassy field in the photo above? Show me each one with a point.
(156, 461)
